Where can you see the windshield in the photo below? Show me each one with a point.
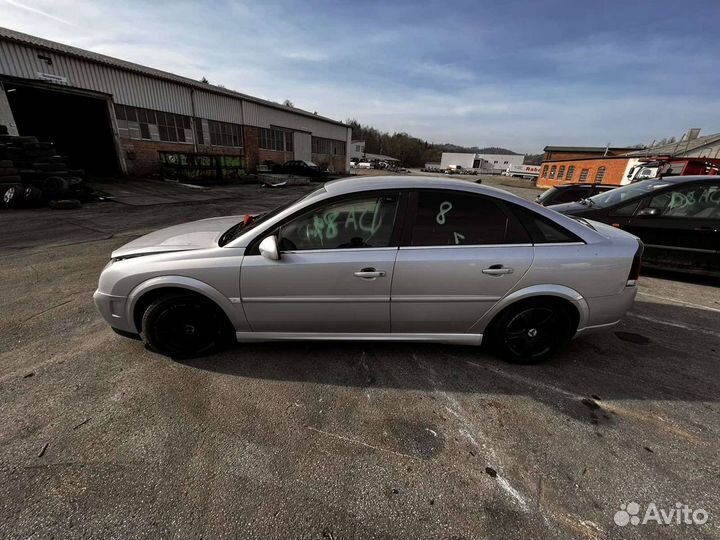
(625, 193)
(244, 226)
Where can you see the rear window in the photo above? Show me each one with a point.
(541, 229)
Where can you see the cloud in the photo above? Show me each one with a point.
(468, 73)
(35, 10)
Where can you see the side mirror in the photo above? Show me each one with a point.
(269, 248)
(649, 212)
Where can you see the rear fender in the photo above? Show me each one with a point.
(558, 291)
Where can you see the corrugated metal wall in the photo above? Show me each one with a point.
(257, 115)
(138, 90)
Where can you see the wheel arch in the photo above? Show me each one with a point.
(566, 295)
(147, 291)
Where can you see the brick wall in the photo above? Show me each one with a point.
(250, 140)
(276, 156)
(333, 163)
(614, 171)
(142, 157)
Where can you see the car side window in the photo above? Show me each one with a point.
(697, 202)
(353, 223)
(571, 195)
(451, 219)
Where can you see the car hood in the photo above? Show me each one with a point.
(193, 235)
(571, 208)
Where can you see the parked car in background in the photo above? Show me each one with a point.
(461, 263)
(570, 193)
(678, 219)
(300, 167)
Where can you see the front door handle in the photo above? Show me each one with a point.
(369, 273)
(497, 270)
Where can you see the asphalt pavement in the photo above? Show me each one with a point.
(102, 439)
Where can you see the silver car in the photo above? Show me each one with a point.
(382, 258)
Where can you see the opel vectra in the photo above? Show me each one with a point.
(383, 258)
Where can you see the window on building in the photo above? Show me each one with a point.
(506, 162)
(600, 174)
(199, 131)
(545, 171)
(571, 172)
(225, 134)
(561, 172)
(276, 139)
(320, 145)
(552, 171)
(584, 175)
(171, 126)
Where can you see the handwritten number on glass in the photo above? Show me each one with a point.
(445, 207)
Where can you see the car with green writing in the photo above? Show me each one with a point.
(378, 258)
(677, 217)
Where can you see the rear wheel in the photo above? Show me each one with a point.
(185, 326)
(531, 331)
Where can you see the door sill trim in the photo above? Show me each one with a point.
(456, 339)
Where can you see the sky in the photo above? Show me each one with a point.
(517, 74)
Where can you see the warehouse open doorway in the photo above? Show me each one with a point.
(78, 123)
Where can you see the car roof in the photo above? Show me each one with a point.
(354, 184)
(585, 184)
(684, 179)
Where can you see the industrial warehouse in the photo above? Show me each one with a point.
(111, 117)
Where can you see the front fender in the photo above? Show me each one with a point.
(558, 291)
(233, 311)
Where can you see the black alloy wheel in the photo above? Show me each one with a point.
(531, 331)
(185, 326)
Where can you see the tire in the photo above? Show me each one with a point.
(32, 195)
(54, 185)
(185, 326)
(13, 197)
(531, 331)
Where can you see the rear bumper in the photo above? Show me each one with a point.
(604, 312)
(113, 310)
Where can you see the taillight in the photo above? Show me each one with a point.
(634, 274)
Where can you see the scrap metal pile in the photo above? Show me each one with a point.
(33, 174)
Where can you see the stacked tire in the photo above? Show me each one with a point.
(33, 174)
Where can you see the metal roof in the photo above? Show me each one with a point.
(677, 148)
(52, 46)
(583, 148)
(379, 156)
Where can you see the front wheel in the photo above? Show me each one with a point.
(185, 326)
(531, 331)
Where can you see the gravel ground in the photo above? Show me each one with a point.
(100, 438)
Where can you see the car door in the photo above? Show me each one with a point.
(460, 254)
(680, 227)
(334, 272)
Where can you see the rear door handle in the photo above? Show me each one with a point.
(497, 270)
(369, 273)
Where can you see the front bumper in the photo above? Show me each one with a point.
(113, 310)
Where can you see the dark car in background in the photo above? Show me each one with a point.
(301, 167)
(677, 218)
(570, 193)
